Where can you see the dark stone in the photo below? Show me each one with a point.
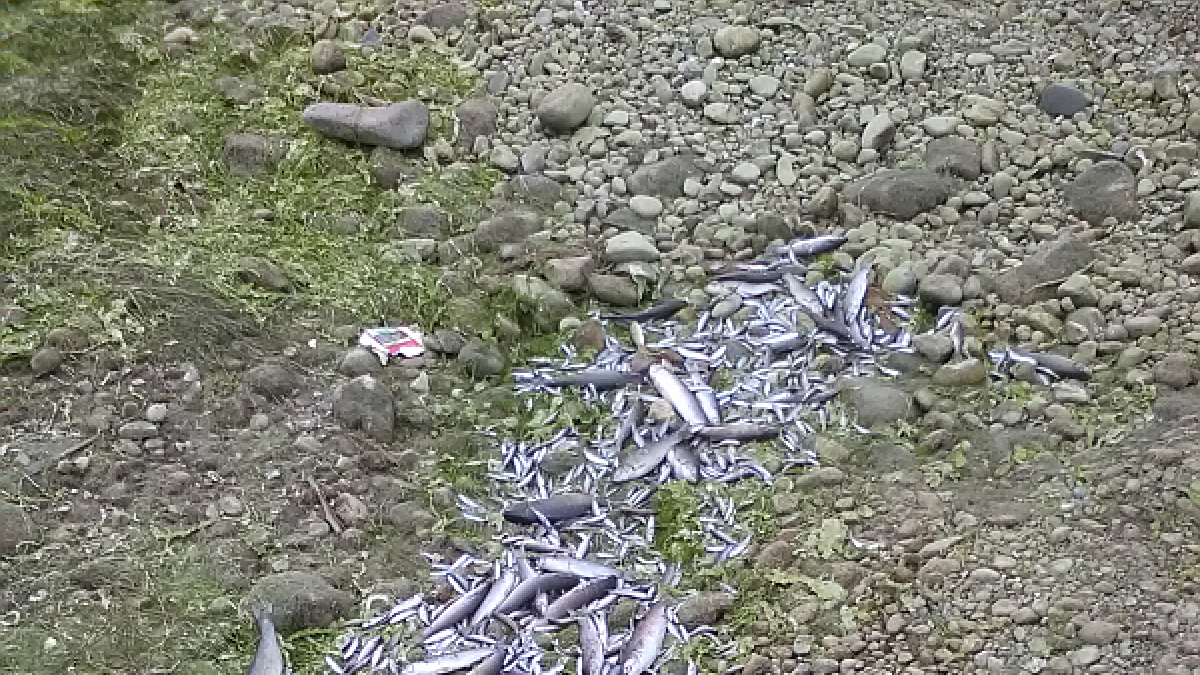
(366, 403)
(422, 221)
(1108, 188)
(249, 155)
(876, 402)
(391, 167)
(511, 227)
(482, 359)
(15, 528)
(663, 178)
(772, 226)
(1054, 260)
(1062, 99)
(954, 156)
(536, 191)
(299, 600)
(446, 15)
(238, 91)
(400, 126)
(902, 193)
(705, 609)
(272, 380)
(262, 274)
(476, 117)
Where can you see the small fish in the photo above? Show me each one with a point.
(663, 310)
(766, 276)
(268, 658)
(553, 509)
(1061, 366)
(685, 463)
(645, 643)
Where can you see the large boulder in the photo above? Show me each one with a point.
(400, 126)
(663, 178)
(476, 117)
(15, 528)
(299, 600)
(550, 304)
(510, 227)
(955, 156)
(1054, 260)
(366, 403)
(1062, 100)
(422, 221)
(876, 402)
(902, 193)
(1108, 188)
(734, 41)
(566, 108)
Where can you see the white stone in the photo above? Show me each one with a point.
(646, 206)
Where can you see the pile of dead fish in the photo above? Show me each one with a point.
(709, 402)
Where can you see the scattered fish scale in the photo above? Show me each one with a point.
(586, 535)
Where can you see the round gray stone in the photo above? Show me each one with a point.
(566, 108)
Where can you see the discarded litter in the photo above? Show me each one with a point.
(392, 341)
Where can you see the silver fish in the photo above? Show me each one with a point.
(812, 246)
(593, 641)
(580, 568)
(268, 658)
(739, 432)
(459, 610)
(500, 589)
(645, 643)
(678, 395)
(448, 663)
(554, 509)
(527, 590)
(493, 664)
(579, 596)
(647, 459)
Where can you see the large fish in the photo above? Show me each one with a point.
(600, 378)
(645, 460)
(743, 431)
(593, 643)
(579, 596)
(501, 587)
(678, 395)
(663, 310)
(646, 641)
(812, 246)
(268, 658)
(459, 610)
(529, 589)
(448, 663)
(554, 509)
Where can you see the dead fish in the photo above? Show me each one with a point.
(812, 246)
(805, 296)
(678, 395)
(601, 378)
(579, 596)
(663, 310)
(646, 641)
(554, 509)
(493, 664)
(448, 663)
(593, 640)
(766, 276)
(630, 422)
(268, 658)
(500, 589)
(739, 432)
(580, 568)
(685, 463)
(647, 459)
(1061, 366)
(529, 589)
(457, 611)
